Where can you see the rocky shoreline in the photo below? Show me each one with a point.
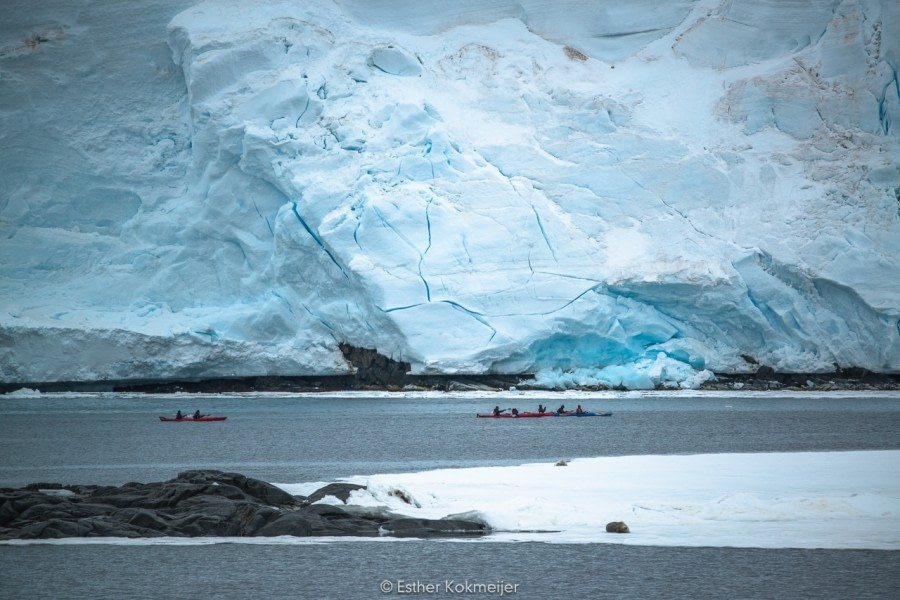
(372, 371)
(203, 503)
(764, 380)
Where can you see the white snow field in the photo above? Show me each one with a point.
(626, 193)
(765, 500)
(832, 500)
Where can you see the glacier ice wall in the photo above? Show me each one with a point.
(628, 193)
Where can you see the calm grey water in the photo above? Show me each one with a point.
(114, 439)
(357, 569)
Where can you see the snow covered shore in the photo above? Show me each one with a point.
(766, 500)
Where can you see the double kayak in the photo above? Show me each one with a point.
(182, 419)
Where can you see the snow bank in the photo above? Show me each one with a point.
(23, 393)
(776, 500)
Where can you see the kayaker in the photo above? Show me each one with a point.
(178, 415)
(197, 414)
(578, 410)
(561, 409)
(515, 412)
(496, 411)
(542, 409)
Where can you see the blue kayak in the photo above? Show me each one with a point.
(572, 413)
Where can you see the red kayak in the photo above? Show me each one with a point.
(204, 418)
(567, 413)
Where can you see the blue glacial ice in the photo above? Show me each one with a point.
(597, 193)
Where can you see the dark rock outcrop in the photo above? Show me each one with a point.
(410, 527)
(765, 372)
(373, 368)
(200, 503)
(341, 491)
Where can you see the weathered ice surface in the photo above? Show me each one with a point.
(626, 194)
(200, 503)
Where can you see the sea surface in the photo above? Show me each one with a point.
(113, 439)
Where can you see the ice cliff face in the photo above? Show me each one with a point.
(626, 193)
